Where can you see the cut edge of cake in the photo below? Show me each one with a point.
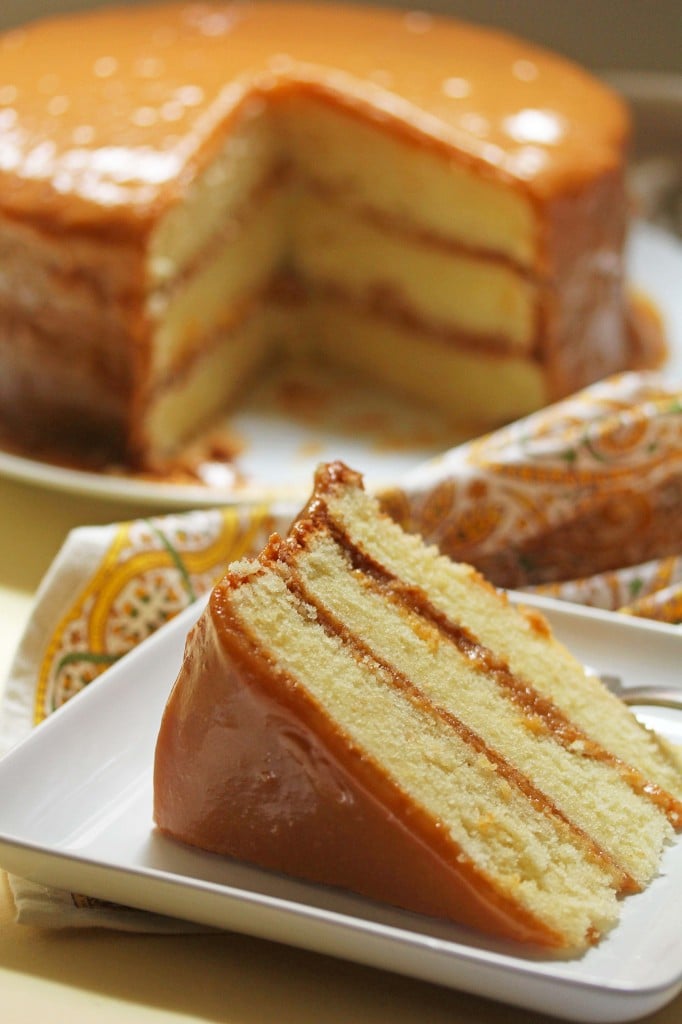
(313, 730)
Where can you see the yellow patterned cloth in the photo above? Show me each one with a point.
(149, 570)
(582, 501)
(110, 588)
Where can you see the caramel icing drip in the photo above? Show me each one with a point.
(106, 118)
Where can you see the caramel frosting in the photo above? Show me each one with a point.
(299, 798)
(106, 118)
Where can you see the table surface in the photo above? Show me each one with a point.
(71, 976)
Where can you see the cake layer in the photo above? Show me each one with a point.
(241, 262)
(487, 699)
(251, 152)
(371, 166)
(458, 292)
(421, 363)
(199, 389)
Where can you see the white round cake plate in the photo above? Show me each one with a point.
(281, 436)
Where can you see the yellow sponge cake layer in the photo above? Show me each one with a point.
(419, 170)
(222, 190)
(197, 390)
(455, 291)
(523, 640)
(417, 361)
(372, 167)
(485, 699)
(238, 266)
(332, 720)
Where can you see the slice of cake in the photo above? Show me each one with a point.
(357, 710)
(189, 192)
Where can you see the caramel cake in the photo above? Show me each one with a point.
(189, 191)
(355, 709)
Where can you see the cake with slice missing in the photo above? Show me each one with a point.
(357, 710)
(190, 192)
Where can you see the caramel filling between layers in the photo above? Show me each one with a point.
(539, 800)
(545, 715)
(182, 334)
(283, 174)
(318, 223)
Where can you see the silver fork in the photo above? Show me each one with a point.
(655, 696)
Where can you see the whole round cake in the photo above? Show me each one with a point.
(189, 192)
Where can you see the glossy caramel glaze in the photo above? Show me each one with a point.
(248, 766)
(106, 118)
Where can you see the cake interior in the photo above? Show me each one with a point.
(316, 234)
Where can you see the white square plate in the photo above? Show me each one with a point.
(75, 813)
